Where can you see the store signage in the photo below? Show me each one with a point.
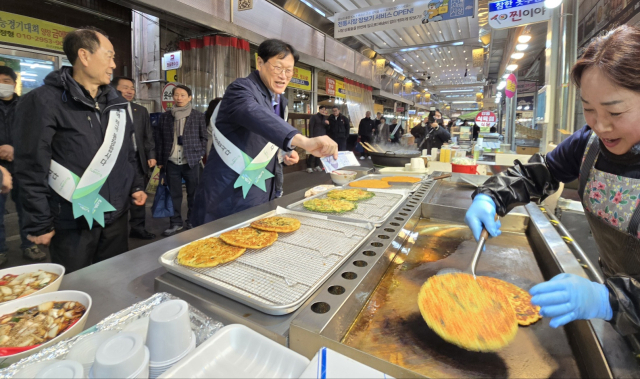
(512, 85)
(167, 96)
(330, 86)
(511, 13)
(172, 60)
(478, 57)
(380, 65)
(399, 15)
(399, 109)
(412, 111)
(301, 79)
(28, 31)
(605, 15)
(341, 92)
(486, 119)
(408, 87)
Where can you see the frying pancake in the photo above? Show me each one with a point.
(208, 252)
(401, 179)
(354, 194)
(329, 205)
(467, 313)
(277, 224)
(250, 238)
(370, 183)
(526, 313)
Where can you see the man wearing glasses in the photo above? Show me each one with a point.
(248, 129)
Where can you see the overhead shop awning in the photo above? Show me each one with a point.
(390, 96)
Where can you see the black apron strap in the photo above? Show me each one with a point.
(593, 149)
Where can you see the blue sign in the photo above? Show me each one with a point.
(507, 4)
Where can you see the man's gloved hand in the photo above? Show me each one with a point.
(482, 212)
(569, 297)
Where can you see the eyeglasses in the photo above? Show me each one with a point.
(278, 70)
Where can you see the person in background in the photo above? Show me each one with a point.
(181, 143)
(419, 131)
(8, 102)
(338, 128)
(493, 129)
(60, 128)
(437, 135)
(365, 131)
(250, 118)
(145, 146)
(317, 127)
(476, 131)
(396, 131)
(383, 131)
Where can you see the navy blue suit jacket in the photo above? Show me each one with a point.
(246, 117)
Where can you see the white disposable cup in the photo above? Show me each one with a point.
(407, 167)
(434, 153)
(121, 356)
(417, 164)
(169, 333)
(425, 152)
(62, 370)
(84, 351)
(140, 326)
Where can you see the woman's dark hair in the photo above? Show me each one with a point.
(181, 86)
(616, 54)
(276, 48)
(212, 107)
(83, 38)
(8, 71)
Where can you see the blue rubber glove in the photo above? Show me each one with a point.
(569, 297)
(482, 212)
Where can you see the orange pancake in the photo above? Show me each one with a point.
(526, 313)
(370, 183)
(249, 238)
(401, 179)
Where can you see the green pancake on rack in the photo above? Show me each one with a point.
(329, 205)
(354, 194)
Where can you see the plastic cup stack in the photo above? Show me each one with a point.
(84, 351)
(169, 336)
(62, 370)
(121, 356)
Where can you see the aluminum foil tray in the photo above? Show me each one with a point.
(278, 279)
(375, 210)
(411, 187)
(203, 326)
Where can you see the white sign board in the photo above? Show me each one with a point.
(511, 13)
(398, 15)
(172, 60)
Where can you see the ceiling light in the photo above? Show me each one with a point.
(464, 51)
(400, 38)
(27, 80)
(403, 59)
(418, 35)
(521, 46)
(462, 102)
(550, 4)
(524, 38)
(512, 67)
(517, 55)
(505, 76)
(502, 85)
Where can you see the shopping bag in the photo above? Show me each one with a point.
(162, 203)
(153, 182)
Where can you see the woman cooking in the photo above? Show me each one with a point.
(605, 156)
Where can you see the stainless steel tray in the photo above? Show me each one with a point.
(278, 279)
(375, 210)
(411, 187)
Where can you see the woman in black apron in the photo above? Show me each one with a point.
(605, 156)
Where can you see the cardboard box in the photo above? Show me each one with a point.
(527, 150)
(329, 364)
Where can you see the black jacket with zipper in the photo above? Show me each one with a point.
(61, 121)
(7, 112)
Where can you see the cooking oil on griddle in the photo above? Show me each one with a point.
(391, 327)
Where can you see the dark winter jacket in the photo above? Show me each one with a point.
(317, 125)
(194, 137)
(61, 121)
(246, 117)
(366, 127)
(145, 140)
(338, 128)
(435, 138)
(540, 177)
(7, 112)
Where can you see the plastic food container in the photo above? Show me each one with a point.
(464, 169)
(49, 267)
(238, 352)
(342, 177)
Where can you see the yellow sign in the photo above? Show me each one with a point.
(378, 108)
(28, 31)
(171, 75)
(301, 79)
(341, 92)
(478, 57)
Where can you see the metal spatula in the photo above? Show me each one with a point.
(484, 236)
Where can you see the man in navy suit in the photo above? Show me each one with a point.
(249, 117)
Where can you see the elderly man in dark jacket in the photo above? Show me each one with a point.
(338, 128)
(70, 129)
(317, 127)
(249, 127)
(365, 131)
(182, 140)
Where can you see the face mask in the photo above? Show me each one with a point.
(6, 90)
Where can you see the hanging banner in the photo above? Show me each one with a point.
(399, 15)
(478, 57)
(330, 86)
(28, 31)
(486, 119)
(301, 79)
(341, 92)
(511, 13)
(512, 84)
